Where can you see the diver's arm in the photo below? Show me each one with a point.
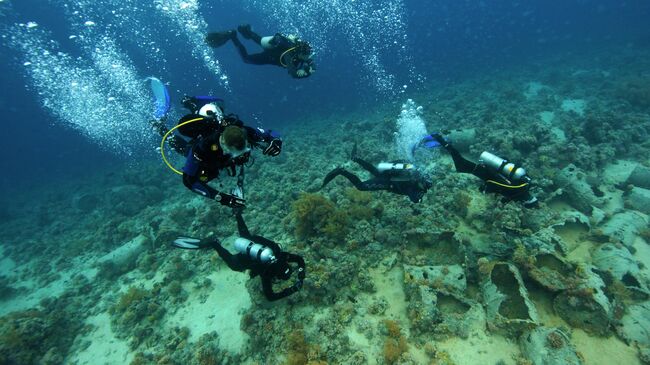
(241, 227)
(257, 135)
(301, 265)
(267, 287)
(272, 139)
(193, 183)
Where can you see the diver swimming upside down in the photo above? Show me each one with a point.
(261, 256)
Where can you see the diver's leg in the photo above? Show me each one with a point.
(367, 166)
(254, 59)
(218, 39)
(233, 261)
(462, 164)
(177, 143)
(345, 173)
(247, 32)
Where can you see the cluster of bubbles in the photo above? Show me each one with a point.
(102, 97)
(101, 92)
(410, 129)
(185, 14)
(372, 28)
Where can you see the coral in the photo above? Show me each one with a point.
(555, 340)
(35, 336)
(298, 348)
(395, 344)
(134, 313)
(6, 290)
(317, 216)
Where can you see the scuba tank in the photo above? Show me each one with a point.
(502, 166)
(254, 250)
(396, 167)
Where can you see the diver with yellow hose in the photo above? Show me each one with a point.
(286, 51)
(499, 175)
(216, 142)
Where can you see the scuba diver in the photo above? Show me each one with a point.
(287, 51)
(261, 256)
(499, 175)
(395, 177)
(216, 142)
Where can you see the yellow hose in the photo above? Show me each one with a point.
(507, 186)
(162, 143)
(283, 53)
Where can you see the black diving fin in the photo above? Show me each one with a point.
(189, 243)
(218, 39)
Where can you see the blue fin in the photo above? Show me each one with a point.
(160, 98)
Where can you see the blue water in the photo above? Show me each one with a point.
(369, 53)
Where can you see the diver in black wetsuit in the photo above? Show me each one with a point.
(499, 175)
(218, 142)
(261, 256)
(395, 177)
(289, 51)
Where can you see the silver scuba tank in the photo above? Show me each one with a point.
(386, 166)
(502, 166)
(254, 250)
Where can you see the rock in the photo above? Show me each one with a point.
(549, 346)
(508, 307)
(87, 203)
(625, 226)
(576, 189)
(640, 177)
(586, 306)
(639, 199)
(634, 327)
(449, 278)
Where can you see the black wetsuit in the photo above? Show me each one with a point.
(282, 54)
(493, 182)
(205, 158)
(411, 183)
(268, 272)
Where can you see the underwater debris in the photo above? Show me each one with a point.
(551, 271)
(508, 307)
(634, 327)
(122, 259)
(579, 193)
(586, 306)
(437, 303)
(549, 346)
(625, 227)
(640, 177)
(638, 199)
(618, 261)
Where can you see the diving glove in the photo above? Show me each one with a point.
(274, 148)
(230, 200)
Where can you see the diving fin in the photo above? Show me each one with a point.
(189, 243)
(246, 31)
(218, 39)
